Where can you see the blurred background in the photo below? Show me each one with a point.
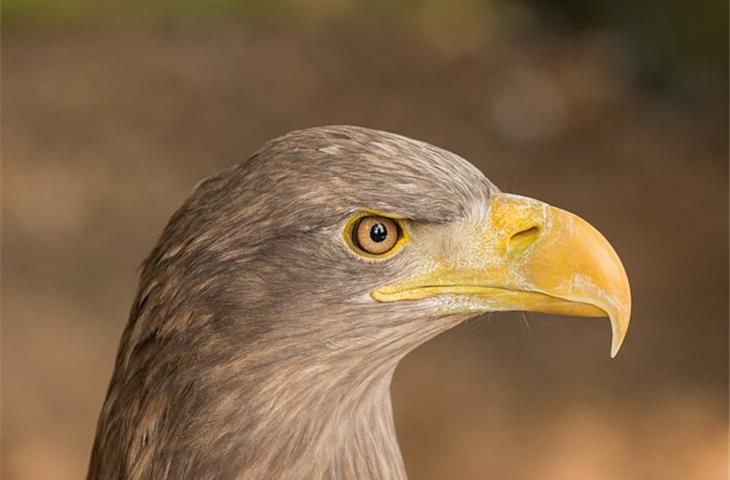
(615, 110)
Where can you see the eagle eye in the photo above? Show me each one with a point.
(376, 235)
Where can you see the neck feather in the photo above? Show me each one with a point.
(248, 419)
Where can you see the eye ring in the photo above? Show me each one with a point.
(375, 236)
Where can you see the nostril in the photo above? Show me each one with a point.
(524, 238)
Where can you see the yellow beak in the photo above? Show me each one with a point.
(528, 256)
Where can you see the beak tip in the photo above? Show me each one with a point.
(619, 330)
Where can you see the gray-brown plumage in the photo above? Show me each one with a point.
(256, 346)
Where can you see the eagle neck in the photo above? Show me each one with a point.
(339, 428)
(367, 442)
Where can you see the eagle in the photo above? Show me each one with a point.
(272, 312)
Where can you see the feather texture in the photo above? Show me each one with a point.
(253, 349)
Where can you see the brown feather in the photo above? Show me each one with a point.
(253, 349)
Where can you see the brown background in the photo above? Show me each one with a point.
(110, 119)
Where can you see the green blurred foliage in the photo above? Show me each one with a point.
(677, 46)
(674, 40)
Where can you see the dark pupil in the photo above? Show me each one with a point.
(378, 232)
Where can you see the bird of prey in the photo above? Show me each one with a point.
(281, 296)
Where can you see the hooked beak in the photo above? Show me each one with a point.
(529, 256)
